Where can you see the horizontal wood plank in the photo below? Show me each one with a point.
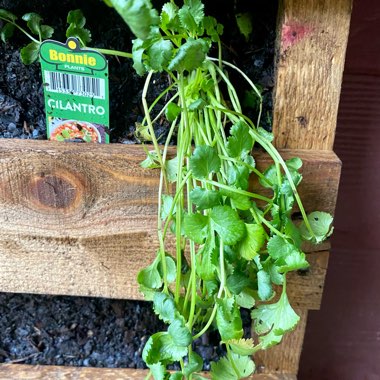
(28, 372)
(312, 39)
(77, 219)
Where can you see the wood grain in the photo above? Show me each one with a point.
(80, 220)
(311, 47)
(305, 289)
(28, 372)
(284, 358)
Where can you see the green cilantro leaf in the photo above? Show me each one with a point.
(77, 18)
(204, 161)
(7, 16)
(179, 333)
(320, 223)
(176, 376)
(33, 22)
(206, 266)
(294, 163)
(189, 56)
(227, 223)
(242, 346)
(7, 32)
(197, 105)
(158, 371)
(294, 261)
(273, 270)
(238, 201)
(172, 169)
(29, 53)
(264, 284)
(279, 247)
(254, 239)
(172, 111)
(268, 136)
(166, 205)
(228, 319)
(288, 257)
(171, 269)
(240, 142)
(169, 19)
(77, 21)
(237, 281)
(149, 277)
(273, 320)
(204, 198)
(244, 23)
(138, 49)
(160, 347)
(246, 298)
(194, 364)
(213, 29)
(151, 161)
(191, 15)
(138, 14)
(242, 367)
(293, 232)
(164, 307)
(46, 31)
(270, 177)
(160, 53)
(238, 176)
(196, 227)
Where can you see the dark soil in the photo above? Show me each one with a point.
(91, 331)
(21, 95)
(83, 331)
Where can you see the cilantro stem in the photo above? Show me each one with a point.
(220, 292)
(208, 324)
(277, 158)
(264, 221)
(164, 108)
(238, 191)
(272, 151)
(22, 30)
(181, 151)
(250, 167)
(175, 199)
(111, 52)
(149, 121)
(158, 99)
(249, 81)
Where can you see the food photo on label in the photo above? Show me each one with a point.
(75, 131)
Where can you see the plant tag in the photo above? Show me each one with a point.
(75, 84)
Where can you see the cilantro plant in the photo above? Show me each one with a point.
(231, 244)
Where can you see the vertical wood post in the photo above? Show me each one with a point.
(311, 48)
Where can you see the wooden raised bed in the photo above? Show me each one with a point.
(80, 219)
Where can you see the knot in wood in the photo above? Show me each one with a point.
(53, 191)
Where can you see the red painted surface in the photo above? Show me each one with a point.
(342, 340)
(292, 33)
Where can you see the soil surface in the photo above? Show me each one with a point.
(92, 331)
(79, 331)
(21, 93)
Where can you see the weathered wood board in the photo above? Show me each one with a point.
(312, 39)
(81, 220)
(27, 372)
